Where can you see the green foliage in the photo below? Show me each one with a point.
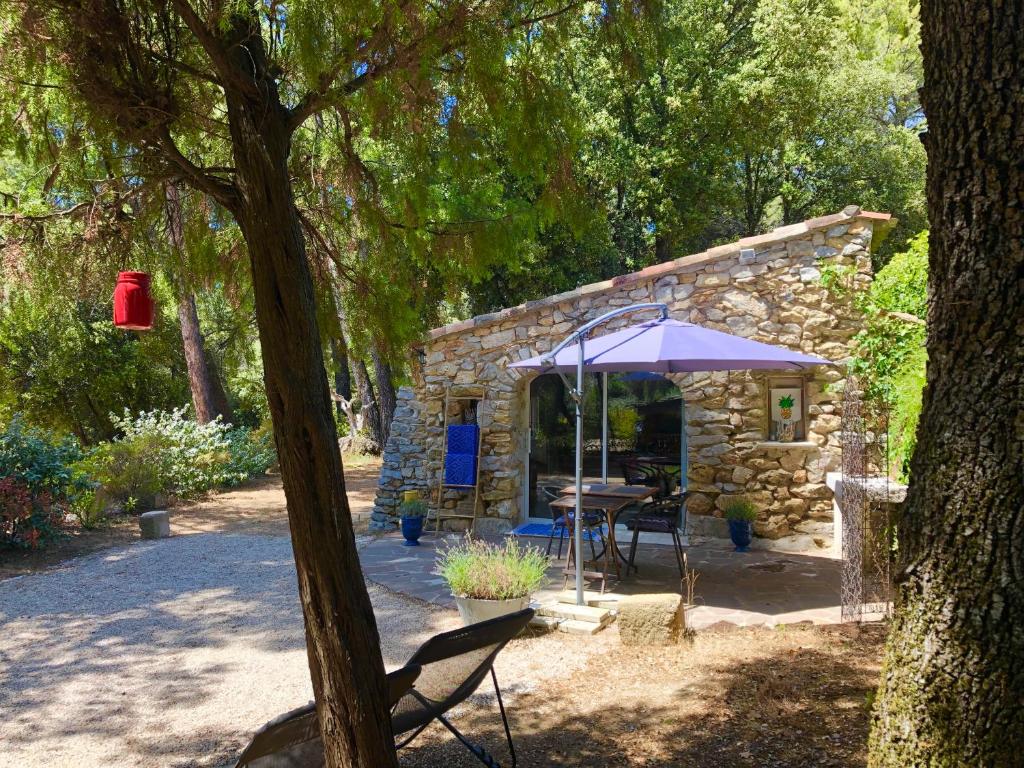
(164, 452)
(37, 484)
(27, 519)
(622, 421)
(483, 571)
(250, 453)
(741, 509)
(891, 354)
(39, 459)
(413, 508)
(64, 366)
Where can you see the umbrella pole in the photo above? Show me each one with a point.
(604, 428)
(578, 527)
(684, 461)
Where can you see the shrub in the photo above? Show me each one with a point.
(250, 452)
(165, 452)
(37, 483)
(741, 509)
(39, 459)
(483, 571)
(413, 508)
(26, 518)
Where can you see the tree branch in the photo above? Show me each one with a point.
(69, 212)
(215, 49)
(224, 192)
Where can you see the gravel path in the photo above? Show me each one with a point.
(171, 653)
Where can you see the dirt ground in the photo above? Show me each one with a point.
(792, 696)
(796, 695)
(256, 507)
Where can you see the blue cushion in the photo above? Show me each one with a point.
(460, 469)
(462, 438)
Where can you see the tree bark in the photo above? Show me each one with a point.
(953, 678)
(343, 381)
(387, 401)
(200, 375)
(343, 646)
(368, 400)
(208, 397)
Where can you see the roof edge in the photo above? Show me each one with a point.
(882, 221)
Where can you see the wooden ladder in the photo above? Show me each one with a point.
(440, 512)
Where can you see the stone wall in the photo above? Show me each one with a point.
(771, 288)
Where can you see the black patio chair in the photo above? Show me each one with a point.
(659, 516)
(443, 673)
(561, 522)
(635, 473)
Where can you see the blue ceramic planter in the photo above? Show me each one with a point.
(741, 532)
(412, 528)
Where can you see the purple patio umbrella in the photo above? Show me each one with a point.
(670, 346)
(659, 346)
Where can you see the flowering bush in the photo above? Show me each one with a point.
(251, 452)
(165, 452)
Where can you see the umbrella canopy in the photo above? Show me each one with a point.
(670, 346)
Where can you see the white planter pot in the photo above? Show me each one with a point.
(473, 610)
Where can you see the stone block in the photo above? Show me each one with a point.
(155, 524)
(655, 619)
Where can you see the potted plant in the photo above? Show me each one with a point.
(489, 580)
(741, 515)
(412, 512)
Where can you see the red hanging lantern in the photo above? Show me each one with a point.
(133, 302)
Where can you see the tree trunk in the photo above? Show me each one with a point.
(953, 675)
(220, 396)
(385, 390)
(368, 400)
(207, 396)
(343, 646)
(343, 381)
(200, 376)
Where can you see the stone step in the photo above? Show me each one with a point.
(593, 599)
(545, 623)
(574, 627)
(572, 612)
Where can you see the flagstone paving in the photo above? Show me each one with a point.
(733, 588)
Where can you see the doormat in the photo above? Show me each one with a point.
(543, 530)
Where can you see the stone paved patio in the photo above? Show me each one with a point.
(742, 589)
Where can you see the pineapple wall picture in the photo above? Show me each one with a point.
(786, 407)
(786, 413)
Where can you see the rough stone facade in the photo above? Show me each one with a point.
(771, 288)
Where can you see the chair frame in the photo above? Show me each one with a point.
(636, 523)
(299, 726)
(559, 521)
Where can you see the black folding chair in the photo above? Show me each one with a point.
(443, 673)
(661, 516)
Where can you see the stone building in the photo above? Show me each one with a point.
(793, 287)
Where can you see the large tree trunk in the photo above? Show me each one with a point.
(385, 390)
(343, 646)
(953, 679)
(208, 397)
